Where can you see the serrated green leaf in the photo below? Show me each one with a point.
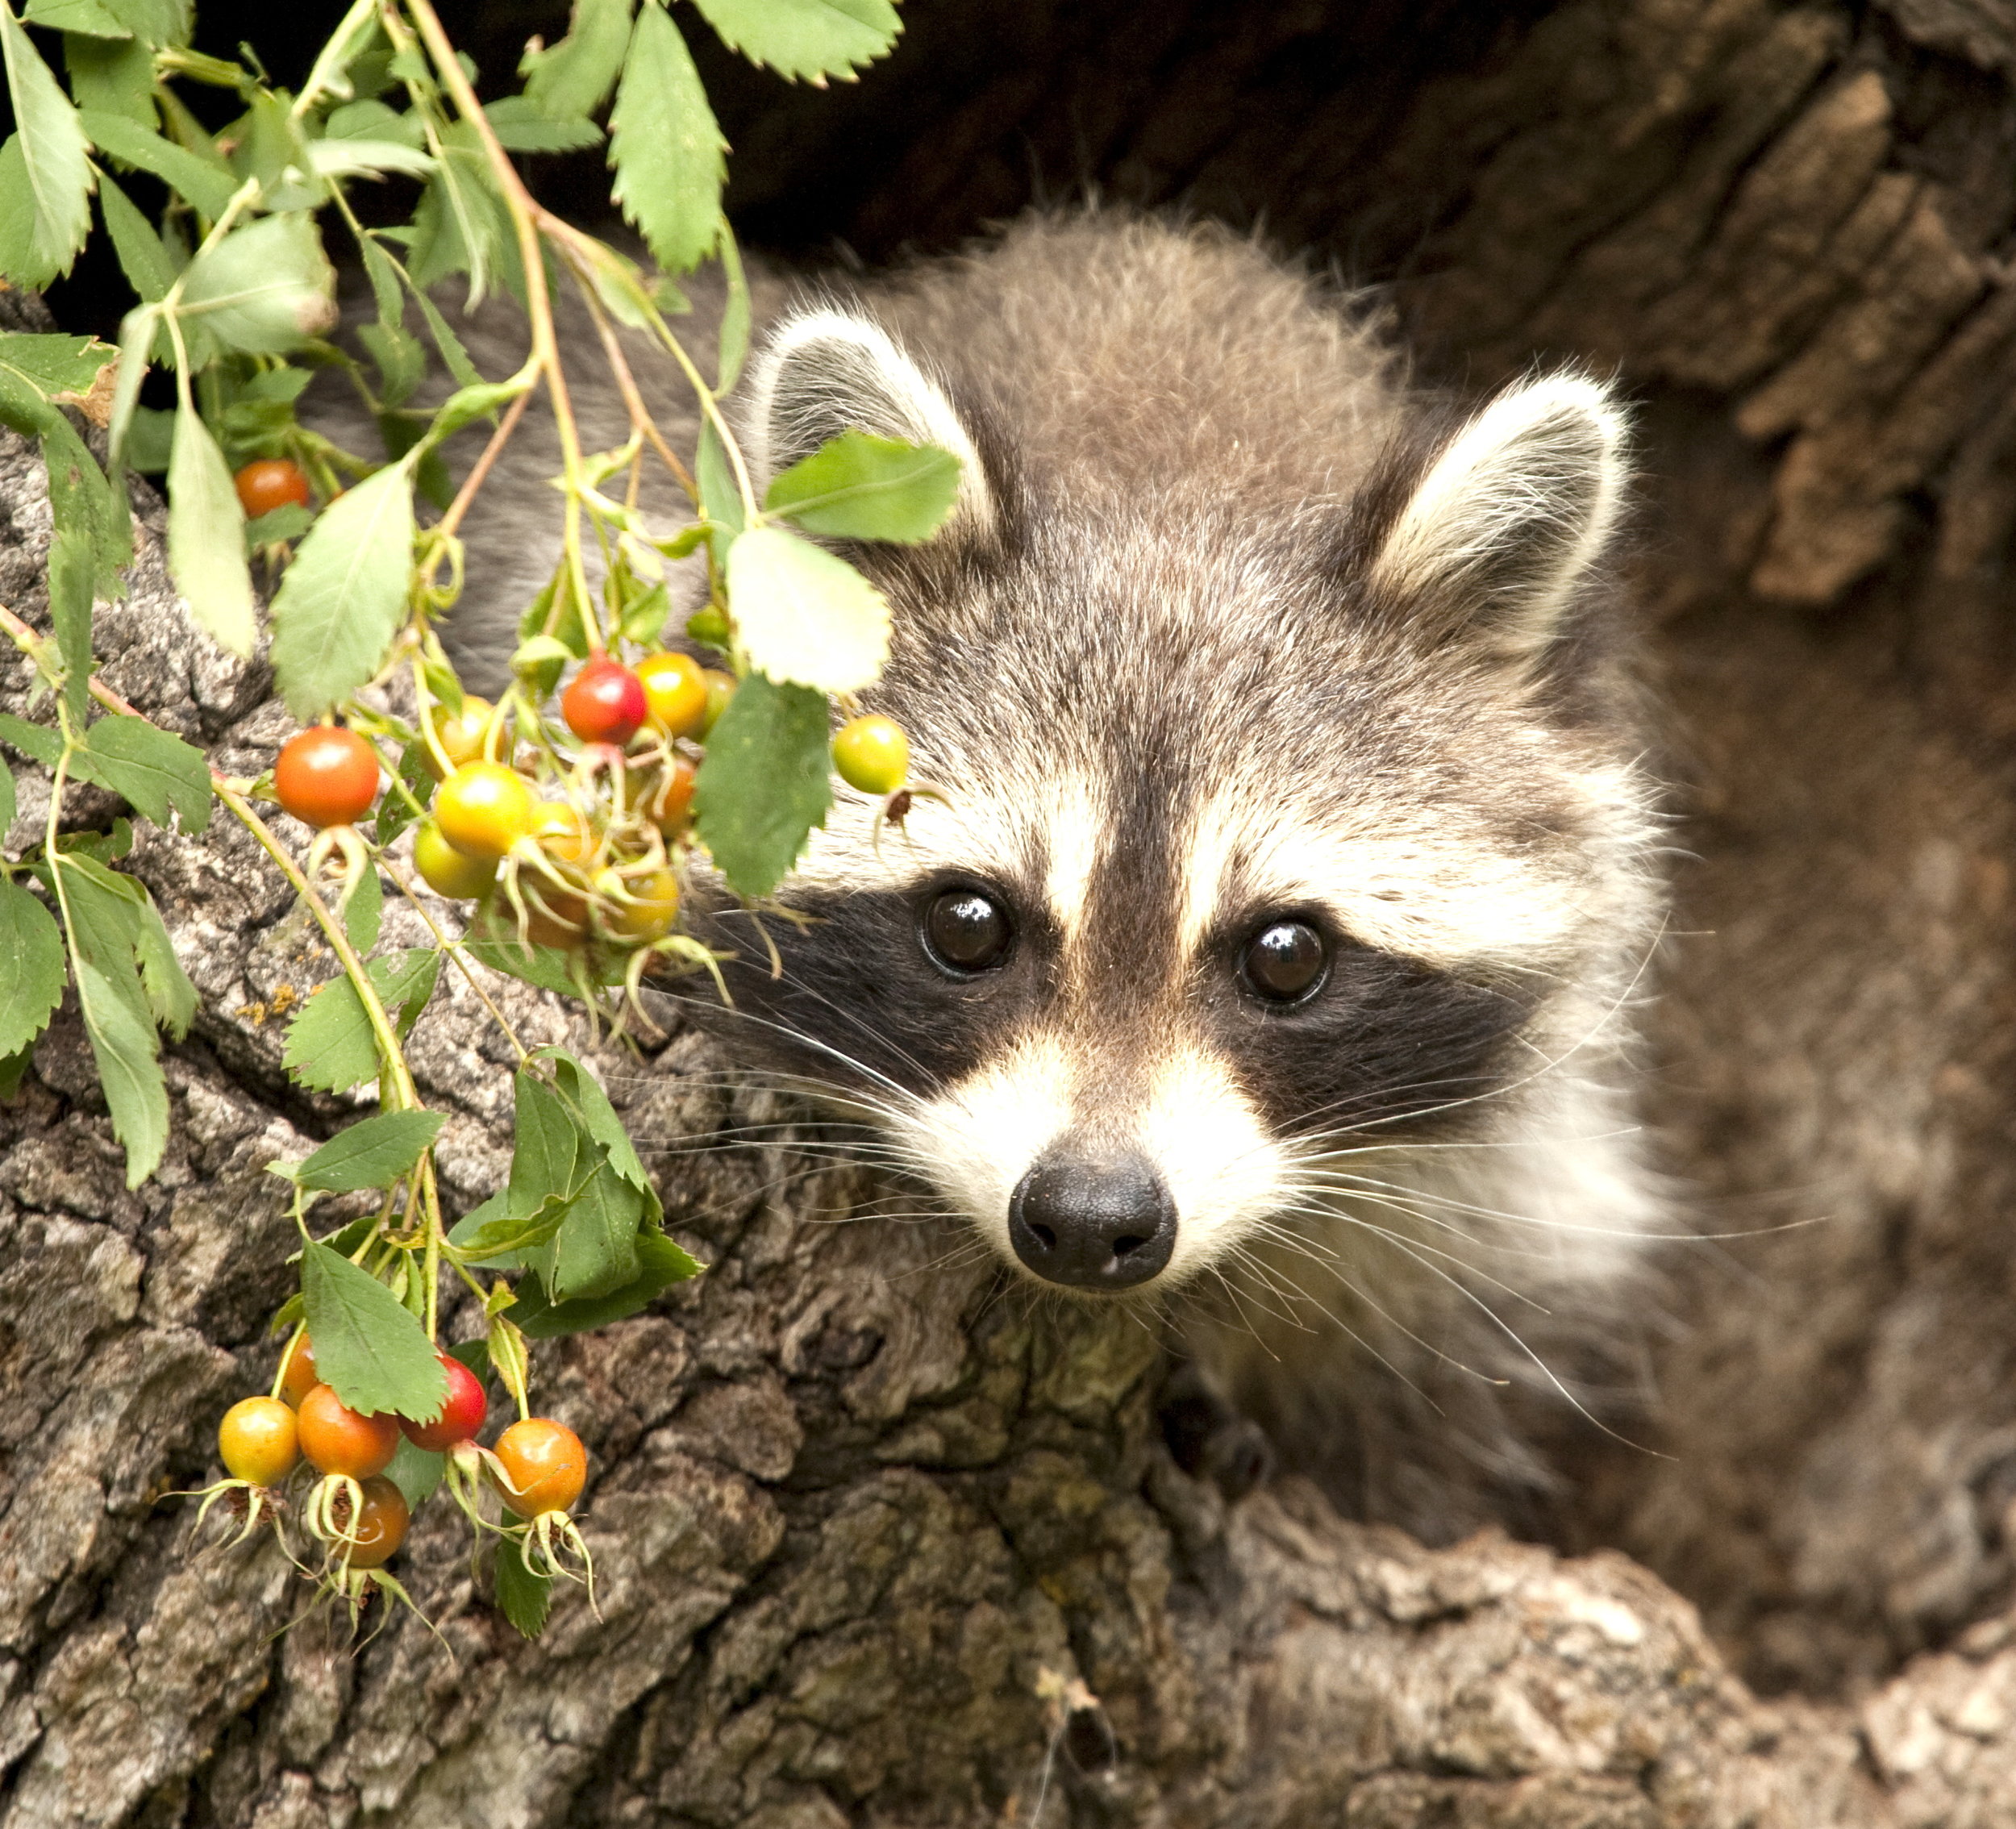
(153, 22)
(491, 1235)
(662, 1263)
(206, 539)
(523, 1597)
(521, 126)
(142, 258)
(53, 167)
(416, 1471)
(374, 1152)
(38, 742)
(126, 1047)
(374, 119)
(546, 1148)
(859, 486)
(344, 597)
(90, 542)
(805, 616)
(31, 969)
(368, 1349)
(330, 1045)
(593, 1252)
(720, 500)
(665, 147)
(158, 773)
(573, 78)
(453, 353)
(170, 996)
(89, 17)
(363, 911)
(7, 802)
(763, 783)
(61, 368)
(113, 76)
(589, 1104)
(264, 289)
(207, 186)
(805, 38)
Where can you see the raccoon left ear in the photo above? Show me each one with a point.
(826, 372)
(1510, 516)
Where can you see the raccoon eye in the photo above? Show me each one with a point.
(1285, 961)
(966, 931)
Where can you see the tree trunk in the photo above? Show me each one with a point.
(878, 1544)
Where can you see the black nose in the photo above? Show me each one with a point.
(1092, 1224)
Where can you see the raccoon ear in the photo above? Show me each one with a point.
(825, 372)
(1509, 517)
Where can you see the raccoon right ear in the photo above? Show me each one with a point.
(826, 372)
(1508, 519)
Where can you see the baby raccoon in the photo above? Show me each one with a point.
(1270, 956)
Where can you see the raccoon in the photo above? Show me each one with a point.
(1269, 956)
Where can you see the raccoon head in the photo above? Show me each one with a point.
(1251, 827)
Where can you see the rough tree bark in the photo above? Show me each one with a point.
(860, 1522)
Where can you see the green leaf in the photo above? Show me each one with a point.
(344, 596)
(590, 1106)
(368, 1349)
(521, 126)
(363, 911)
(208, 186)
(31, 969)
(859, 486)
(143, 259)
(330, 1045)
(401, 357)
(137, 331)
(666, 147)
(357, 156)
(91, 539)
(126, 1047)
(153, 22)
(523, 1597)
(660, 1264)
(91, 17)
(763, 783)
(371, 1153)
(170, 996)
(720, 500)
(8, 805)
(573, 78)
(468, 404)
(206, 539)
(394, 815)
(805, 615)
(113, 76)
(805, 38)
(264, 289)
(38, 742)
(54, 168)
(416, 1471)
(61, 368)
(159, 773)
(13, 1069)
(289, 521)
(373, 119)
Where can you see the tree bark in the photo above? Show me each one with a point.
(878, 1544)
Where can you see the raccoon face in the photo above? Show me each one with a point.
(1252, 836)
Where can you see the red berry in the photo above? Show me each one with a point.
(605, 702)
(327, 776)
(461, 1416)
(270, 483)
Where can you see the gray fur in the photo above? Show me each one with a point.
(1228, 618)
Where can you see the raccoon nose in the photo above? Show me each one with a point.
(1093, 1225)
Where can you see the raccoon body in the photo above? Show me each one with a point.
(1269, 958)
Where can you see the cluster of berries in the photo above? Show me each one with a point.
(537, 1467)
(597, 862)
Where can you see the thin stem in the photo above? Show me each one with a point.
(480, 474)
